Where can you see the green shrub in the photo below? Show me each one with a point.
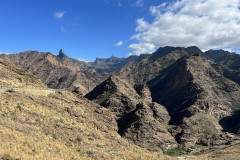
(178, 151)
(79, 139)
(61, 120)
(19, 107)
(90, 152)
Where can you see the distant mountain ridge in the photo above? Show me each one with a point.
(174, 96)
(56, 72)
(114, 63)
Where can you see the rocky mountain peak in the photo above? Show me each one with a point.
(163, 51)
(61, 54)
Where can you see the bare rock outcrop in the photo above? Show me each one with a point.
(196, 97)
(139, 120)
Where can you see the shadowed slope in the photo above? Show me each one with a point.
(139, 120)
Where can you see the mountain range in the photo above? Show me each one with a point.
(174, 101)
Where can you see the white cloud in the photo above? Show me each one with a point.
(119, 44)
(59, 15)
(130, 54)
(207, 24)
(142, 25)
(62, 29)
(139, 3)
(230, 49)
(136, 36)
(84, 60)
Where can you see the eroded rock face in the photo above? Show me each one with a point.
(196, 92)
(143, 91)
(143, 129)
(160, 113)
(139, 119)
(201, 129)
(196, 97)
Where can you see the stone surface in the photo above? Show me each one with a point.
(139, 120)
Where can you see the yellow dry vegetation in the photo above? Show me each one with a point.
(15, 76)
(40, 123)
(60, 125)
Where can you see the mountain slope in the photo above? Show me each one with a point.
(42, 123)
(139, 120)
(56, 72)
(196, 96)
(107, 65)
(226, 58)
(231, 74)
(149, 67)
(14, 76)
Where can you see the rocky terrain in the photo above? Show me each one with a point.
(139, 119)
(107, 65)
(149, 67)
(41, 123)
(57, 71)
(195, 94)
(62, 71)
(229, 59)
(176, 100)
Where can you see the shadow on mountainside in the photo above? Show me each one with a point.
(231, 123)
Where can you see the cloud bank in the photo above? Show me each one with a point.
(207, 24)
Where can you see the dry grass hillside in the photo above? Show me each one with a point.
(40, 123)
(46, 124)
(14, 76)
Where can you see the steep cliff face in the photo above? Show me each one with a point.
(192, 81)
(196, 96)
(139, 119)
(56, 72)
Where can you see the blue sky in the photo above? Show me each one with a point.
(87, 29)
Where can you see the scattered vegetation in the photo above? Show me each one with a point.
(178, 151)
(8, 157)
(19, 107)
(44, 129)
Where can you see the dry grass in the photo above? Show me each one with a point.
(47, 124)
(59, 125)
(14, 76)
